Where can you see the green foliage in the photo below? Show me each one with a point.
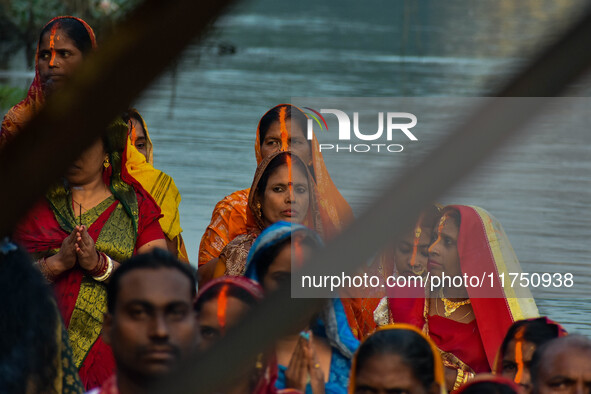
(28, 17)
(34, 14)
(10, 95)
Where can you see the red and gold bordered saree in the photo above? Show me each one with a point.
(483, 247)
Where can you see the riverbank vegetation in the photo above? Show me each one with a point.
(22, 20)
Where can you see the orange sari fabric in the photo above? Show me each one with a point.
(228, 220)
(229, 217)
(16, 118)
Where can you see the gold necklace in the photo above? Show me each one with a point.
(451, 306)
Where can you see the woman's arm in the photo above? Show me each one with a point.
(157, 243)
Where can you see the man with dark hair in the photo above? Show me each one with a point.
(562, 365)
(150, 322)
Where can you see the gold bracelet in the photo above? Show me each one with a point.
(460, 380)
(107, 273)
(468, 376)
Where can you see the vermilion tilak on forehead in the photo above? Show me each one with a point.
(519, 353)
(133, 132)
(290, 179)
(223, 306)
(415, 246)
(439, 230)
(283, 128)
(52, 39)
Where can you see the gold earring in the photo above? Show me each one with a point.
(106, 163)
(259, 213)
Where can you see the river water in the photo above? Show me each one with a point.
(203, 113)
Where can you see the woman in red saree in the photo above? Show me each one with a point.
(79, 233)
(63, 44)
(468, 324)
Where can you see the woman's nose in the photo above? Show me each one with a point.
(434, 248)
(290, 196)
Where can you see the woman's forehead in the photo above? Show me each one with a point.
(60, 38)
(283, 174)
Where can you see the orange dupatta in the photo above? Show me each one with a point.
(229, 218)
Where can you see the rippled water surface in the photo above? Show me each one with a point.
(203, 114)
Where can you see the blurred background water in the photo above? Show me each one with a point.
(203, 113)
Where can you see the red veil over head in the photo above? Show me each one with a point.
(16, 118)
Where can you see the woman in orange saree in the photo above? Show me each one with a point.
(281, 128)
(282, 190)
(63, 44)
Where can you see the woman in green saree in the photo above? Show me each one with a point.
(79, 233)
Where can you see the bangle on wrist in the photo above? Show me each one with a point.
(460, 379)
(45, 270)
(106, 271)
(99, 269)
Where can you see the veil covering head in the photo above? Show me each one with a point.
(133, 113)
(332, 322)
(159, 185)
(271, 238)
(234, 255)
(229, 217)
(16, 118)
(483, 247)
(333, 209)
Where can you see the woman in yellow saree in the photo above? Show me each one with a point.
(140, 165)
